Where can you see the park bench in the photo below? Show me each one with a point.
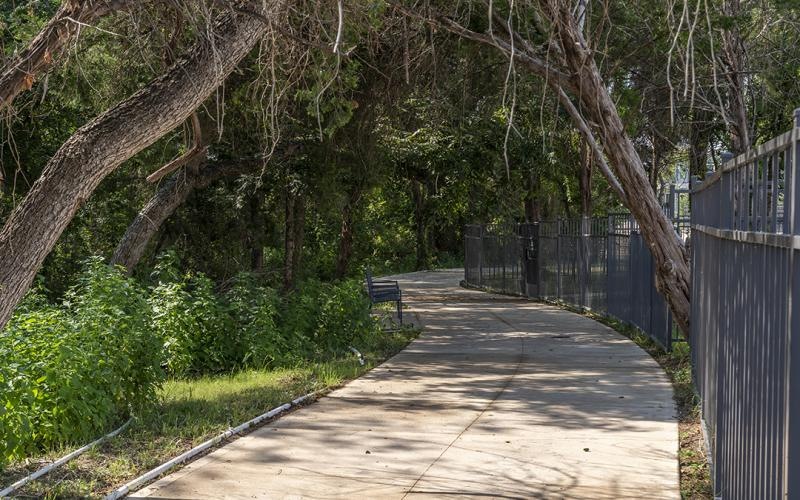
(385, 291)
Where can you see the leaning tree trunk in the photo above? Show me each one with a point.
(171, 194)
(669, 254)
(100, 146)
(734, 57)
(569, 66)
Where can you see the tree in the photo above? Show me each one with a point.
(565, 59)
(100, 146)
(44, 50)
(169, 196)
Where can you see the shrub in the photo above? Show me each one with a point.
(328, 317)
(255, 310)
(70, 371)
(344, 317)
(195, 327)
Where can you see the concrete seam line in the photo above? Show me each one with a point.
(148, 476)
(61, 461)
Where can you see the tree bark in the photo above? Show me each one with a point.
(255, 233)
(418, 197)
(43, 51)
(699, 136)
(669, 254)
(533, 211)
(734, 54)
(299, 233)
(171, 194)
(100, 146)
(294, 234)
(346, 234)
(586, 179)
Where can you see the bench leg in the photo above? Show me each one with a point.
(400, 310)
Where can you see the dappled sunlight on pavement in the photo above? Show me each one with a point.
(499, 397)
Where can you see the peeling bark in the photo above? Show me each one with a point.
(734, 54)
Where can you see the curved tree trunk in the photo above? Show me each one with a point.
(570, 67)
(669, 254)
(41, 53)
(171, 194)
(100, 146)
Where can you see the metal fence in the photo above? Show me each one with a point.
(745, 332)
(745, 318)
(599, 263)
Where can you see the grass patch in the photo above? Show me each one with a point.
(695, 474)
(188, 413)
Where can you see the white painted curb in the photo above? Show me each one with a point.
(149, 476)
(61, 461)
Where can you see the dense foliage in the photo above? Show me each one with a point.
(74, 368)
(375, 156)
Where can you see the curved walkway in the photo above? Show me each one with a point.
(499, 398)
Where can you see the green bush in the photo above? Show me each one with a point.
(344, 317)
(255, 311)
(195, 326)
(70, 371)
(328, 317)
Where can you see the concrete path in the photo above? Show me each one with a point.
(498, 398)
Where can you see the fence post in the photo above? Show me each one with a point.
(480, 255)
(583, 261)
(558, 259)
(503, 244)
(792, 461)
(671, 203)
(531, 261)
(726, 195)
(610, 266)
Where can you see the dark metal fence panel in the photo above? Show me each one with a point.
(619, 289)
(549, 261)
(746, 318)
(472, 254)
(600, 264)
(493, 258)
